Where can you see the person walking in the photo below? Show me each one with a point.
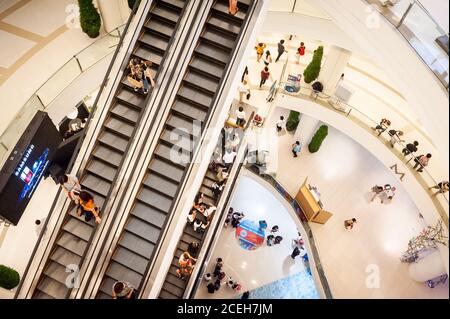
(422, 162)
(88, 208)
(442, 187)
(275, 229)
(267, 58)
(146, 75)
(281, 124)
(295, 252)
(278, 240)
(123, 290)
(377, 190)
(260, 47)
(383, 126)
(245, 75)
(208, 278)
(388, 193)
(240, 116)
(270, 240)
(396, 137)
(265, 75)
(71, 185)
(281, 50)
(233, 7)
(243, 91)
(349, 223)
(410, 148)
(296, 148)
(300, 52)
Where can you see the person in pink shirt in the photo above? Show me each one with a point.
(421, 162)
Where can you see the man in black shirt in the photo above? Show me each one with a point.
(410, 148)
(281, 50)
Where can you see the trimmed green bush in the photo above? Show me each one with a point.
(313, 69)
(318, 138)
(89, 18)
(292, 121)
(131, 4)
(9, 278)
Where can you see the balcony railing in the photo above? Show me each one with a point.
(60, 80)
(421, 30)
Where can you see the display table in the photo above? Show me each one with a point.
(309, 202)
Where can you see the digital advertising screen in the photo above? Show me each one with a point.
(26, 166)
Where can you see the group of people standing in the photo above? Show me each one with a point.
(140, 75)
(218, 279)
(186, 261)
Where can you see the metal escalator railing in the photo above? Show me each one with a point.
(152, 211)
(77, 150)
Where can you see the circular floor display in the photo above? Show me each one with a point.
(250, 235)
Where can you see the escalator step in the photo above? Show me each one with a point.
(155, 41)
(177, 4)
(130, 260)
(136, 244)
(174, 290)
(107, 286)
(78, 228)
(119, 127)
(107, 155)
(102, 170)
(224, 25)
(57, 272)
(222, 8)
(114, 141)
(117, 272)
(146, 54)
(72, 243)
(159, 26)
(201, 81)
(132, 98)
(166, 13)
(173, 156)
(196, 96)
(189, 110)
(52, 288)
(149, 214)
(219, 38)
(161, 185)
(184, 126)
(65, 257)
(96, 184)
(176, 281)
(207, 66)
(167, 295)
(166, 170)
(155, 199)
(173, 138)
(213, 53)
(41, 295)
(126, 113)
(143, 229)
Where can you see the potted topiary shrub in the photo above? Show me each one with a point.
(89, 18)
(9, 278)
(292, 121)
(318, 138)
(313, 69)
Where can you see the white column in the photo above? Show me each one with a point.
(306, 129)
(333, 66)
(427, 268)
(114, 13)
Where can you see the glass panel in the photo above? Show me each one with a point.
(58, 82)
(18, 125)
(421, 32)
(281, 5)
(99, 49)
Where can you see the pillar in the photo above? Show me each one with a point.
(333, 66)
(114, 13)
(306, 129)
(427, 268)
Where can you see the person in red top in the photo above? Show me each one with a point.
(300, 52)
(265, 75)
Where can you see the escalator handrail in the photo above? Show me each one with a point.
(142, 151)
(197, 147)
(75, 155)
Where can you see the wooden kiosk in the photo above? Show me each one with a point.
(309, 202)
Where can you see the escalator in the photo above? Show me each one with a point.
(104, 163)
(174, 287)
(141, 235)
